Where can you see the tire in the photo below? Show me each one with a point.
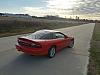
(52, 52)
(71, 44)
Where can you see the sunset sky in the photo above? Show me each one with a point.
(64, 8)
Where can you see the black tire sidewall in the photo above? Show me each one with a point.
(72, 42)
(49, 52)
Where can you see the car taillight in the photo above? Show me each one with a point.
(28, 43)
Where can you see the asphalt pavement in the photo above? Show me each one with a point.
(69, 61)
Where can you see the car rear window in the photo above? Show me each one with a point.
(38, 35)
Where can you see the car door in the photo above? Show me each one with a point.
(59, 40)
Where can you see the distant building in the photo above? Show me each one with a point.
(16, 15)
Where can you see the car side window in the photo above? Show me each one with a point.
(47, 36)
(59, 35)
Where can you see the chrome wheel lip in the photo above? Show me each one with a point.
(52, 52)
(71, 44)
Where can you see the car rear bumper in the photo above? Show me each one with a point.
(32, 51)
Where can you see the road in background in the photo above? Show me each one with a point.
(67, 62)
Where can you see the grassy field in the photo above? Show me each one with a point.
(94, 62)
(14, 26)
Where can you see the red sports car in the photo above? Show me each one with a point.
(44, 42)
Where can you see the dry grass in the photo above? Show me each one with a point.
(94, 63)
(13, 26)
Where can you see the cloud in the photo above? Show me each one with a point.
(41, 11)
(36, 11)
(81, 6)
(63, 8)
(53, 7)
(61, 4)
(89, 7)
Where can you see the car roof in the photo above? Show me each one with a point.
(48, 31)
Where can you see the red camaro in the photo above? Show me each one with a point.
(44, 42)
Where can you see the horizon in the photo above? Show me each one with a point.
(86, 9)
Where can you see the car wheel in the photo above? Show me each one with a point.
(52, 52)
(71, 44)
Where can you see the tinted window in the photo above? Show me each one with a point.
(37, 35)
(59, 35)
(47, 36)
(54, 36)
